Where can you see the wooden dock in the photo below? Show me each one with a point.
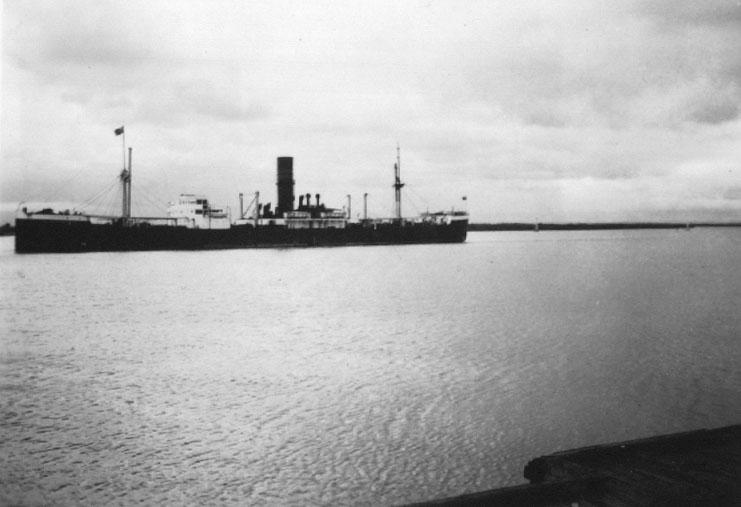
(695, 468)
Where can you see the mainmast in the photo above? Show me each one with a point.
(397, 183)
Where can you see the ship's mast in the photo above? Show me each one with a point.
(124, 199)
(125, 177)
(126, 184)
(397, 183)
(128, 193)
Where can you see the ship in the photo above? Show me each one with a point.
(193, 223)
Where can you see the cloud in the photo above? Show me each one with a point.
(723, 13)
(107, 55)
(617, 100)
(585, 68)
(716, 108)
(196, 99)
(732, 194)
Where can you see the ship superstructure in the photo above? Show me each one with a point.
(195, 212)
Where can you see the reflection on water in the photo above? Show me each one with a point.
(355, 375)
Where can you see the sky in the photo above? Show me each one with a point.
(535, 111)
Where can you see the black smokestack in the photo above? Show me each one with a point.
(285, 185)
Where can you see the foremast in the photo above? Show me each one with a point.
(125, 178)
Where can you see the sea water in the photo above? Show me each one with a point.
(360, 375)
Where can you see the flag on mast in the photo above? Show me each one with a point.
(119, 131)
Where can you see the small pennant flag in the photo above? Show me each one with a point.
(118, 131)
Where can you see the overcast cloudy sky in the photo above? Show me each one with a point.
(550, 111)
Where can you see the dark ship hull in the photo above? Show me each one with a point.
(38, 235)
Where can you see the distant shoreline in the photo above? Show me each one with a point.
(591, 226)
(7, 230)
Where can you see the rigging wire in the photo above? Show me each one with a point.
(145, 185)
(144, 193)
(148, 199)
(98, 195)
(424, 201)
(102, 205)
(411, 202)
(110, 203)
(152, 198)
(94, 204)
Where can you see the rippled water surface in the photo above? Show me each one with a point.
(366, 375)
